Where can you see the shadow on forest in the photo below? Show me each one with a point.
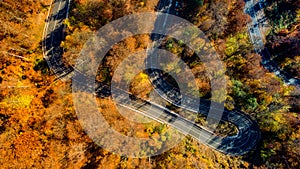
(280, 42)
(282, 15)
(52, 46)
(255, 157)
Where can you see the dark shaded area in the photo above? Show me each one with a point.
(4, 118)
(294, 102)
(254, 156)
(284, 39)
(42, 66)
(281, 12)
(48, 98)
(93, 152)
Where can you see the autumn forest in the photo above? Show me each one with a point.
(39, 127)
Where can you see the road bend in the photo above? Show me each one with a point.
(239, 144)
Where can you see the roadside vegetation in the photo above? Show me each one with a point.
(38, 123)
(284, 17)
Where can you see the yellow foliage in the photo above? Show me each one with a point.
(143, 77)
(234, 43)
(19, 101)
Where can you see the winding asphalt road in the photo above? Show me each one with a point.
(255, 10)
(248, 130)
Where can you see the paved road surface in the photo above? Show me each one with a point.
(52, 37)
(241, 143)
(248, 130)
(255, 10)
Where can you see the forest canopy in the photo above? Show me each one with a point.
(39, 127)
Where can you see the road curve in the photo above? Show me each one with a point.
(253, 8)
(53, 35)
(248, 130)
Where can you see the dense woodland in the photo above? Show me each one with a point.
(285, 22)
(38, 123)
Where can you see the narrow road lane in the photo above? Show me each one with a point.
(239, 144)
(254, 29)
